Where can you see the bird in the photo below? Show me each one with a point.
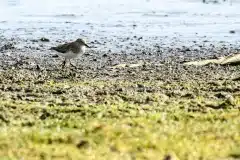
(71, 50)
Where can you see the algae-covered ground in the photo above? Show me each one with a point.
(145, 105)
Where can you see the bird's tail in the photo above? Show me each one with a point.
(52, 48)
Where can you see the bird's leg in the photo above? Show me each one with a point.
(72, 64)
(64, 63)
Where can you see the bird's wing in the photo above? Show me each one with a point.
(74, 47)
(62, 48)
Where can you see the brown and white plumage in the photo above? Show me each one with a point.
(71, 50)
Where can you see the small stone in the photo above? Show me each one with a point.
(232, 31)
(104, 55)
(82, 143)
(119, 89)
(170, 157)
(38, 67)
(167, 157)
(140, 85)
(34, 40)
(7, 47)
(230, 99)
(44, 115)
(55, 56)
(43, 39)
(58, 92)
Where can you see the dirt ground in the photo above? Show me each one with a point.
(135, 103)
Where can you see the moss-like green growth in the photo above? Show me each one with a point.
(71, 118)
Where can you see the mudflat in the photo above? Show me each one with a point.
(114, 105)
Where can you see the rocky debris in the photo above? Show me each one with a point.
(7, 46)
(43, 39)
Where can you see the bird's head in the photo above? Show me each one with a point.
(82, 42)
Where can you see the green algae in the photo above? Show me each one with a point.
(73, 118)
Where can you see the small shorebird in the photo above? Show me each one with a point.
(70, 50)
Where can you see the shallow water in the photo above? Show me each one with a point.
(168, 21)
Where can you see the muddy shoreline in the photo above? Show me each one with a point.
(144, 65)
(129, 57)
(143, 97)
(130, 96)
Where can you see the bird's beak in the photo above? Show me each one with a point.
(86, 45)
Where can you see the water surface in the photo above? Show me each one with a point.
(62, 19)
